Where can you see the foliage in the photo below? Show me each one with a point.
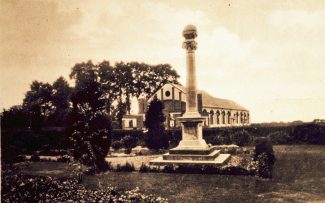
(241, 138)
(279, 137)
(61, 101)
(156, 138)
(309, 133)
(264, 156)
(16, 187)
(35, 157)
(14, 117)
(117, 144)
(89, 125)
(129, 142)
(127, 167)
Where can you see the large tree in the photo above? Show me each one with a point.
(38, 103)
(61, 101)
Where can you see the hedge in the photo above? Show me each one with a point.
(17, 142)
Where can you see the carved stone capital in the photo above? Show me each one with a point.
(190, 45)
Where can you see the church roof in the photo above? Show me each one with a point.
(211, 101)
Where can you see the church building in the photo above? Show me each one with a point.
(217, 112)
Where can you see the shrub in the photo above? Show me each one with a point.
(264, 156)
(127, 167)
(116, 145)
(90, 138)
(241, 138)
(20, 158)
(170, 168)
(65, 158)
(35, 157)
(129, 142)
(144, 168)
(279, 137)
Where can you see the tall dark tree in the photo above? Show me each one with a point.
(38, 103)
(14, 117)
(89, 123)
(109, 83)
(61, 101)
(156, 138)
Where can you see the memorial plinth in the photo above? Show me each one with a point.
(192, 149)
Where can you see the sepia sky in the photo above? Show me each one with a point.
(268, 56)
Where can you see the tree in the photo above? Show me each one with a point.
(89, 124)
(156, 137)
(14, 117)
(38, 103)
(61, 101)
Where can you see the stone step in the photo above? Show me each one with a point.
(219, 160)
(208, 157)
(222, 158)
(193, 151)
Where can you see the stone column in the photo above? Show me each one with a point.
(191, 121)
(190, 33)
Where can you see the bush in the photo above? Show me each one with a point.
(20, 158)
(129, 142)
(169, 169)
(127, 167)
(35, 157)
(241, 138)
(144, 168)
(264, 156)
(116, 145)
(279, 137)
(65, 158)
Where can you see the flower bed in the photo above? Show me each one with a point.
(25, 188)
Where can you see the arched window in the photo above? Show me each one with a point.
(244, 117)
(241, 117)
(223, 117)
(229, 117)
(247, 117)
(218, 117)
(236, 117)
(211, 117)
(205, 113)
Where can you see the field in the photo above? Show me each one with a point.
(299, 176)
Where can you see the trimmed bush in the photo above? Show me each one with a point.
(116, 145)
(129, 142)
(264, 156)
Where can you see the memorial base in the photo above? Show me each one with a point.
(192, 149)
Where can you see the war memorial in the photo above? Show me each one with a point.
(192, 149)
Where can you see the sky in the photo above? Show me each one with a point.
(268, 56)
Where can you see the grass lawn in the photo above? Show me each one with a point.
(299, 176)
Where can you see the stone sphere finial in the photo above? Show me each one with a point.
(190, 32)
